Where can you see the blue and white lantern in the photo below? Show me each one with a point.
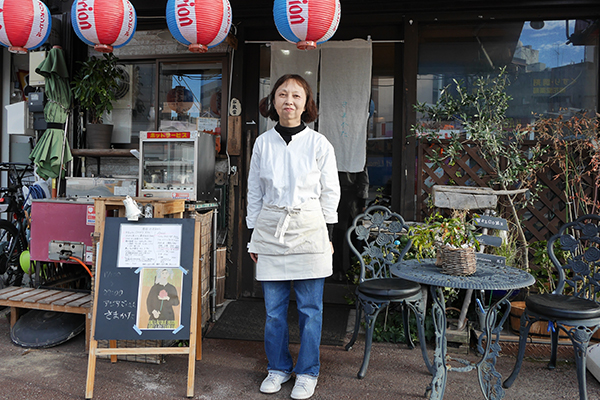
(199, 24)
(307, 22)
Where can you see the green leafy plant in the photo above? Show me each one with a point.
(94, 85)
(478, 117)
(439, 231)
(390, 329)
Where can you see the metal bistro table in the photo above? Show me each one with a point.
(487, 277)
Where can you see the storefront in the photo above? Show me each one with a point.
(413, 49)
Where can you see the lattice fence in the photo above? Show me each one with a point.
(540, 220)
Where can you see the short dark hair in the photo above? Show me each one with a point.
(311, 112)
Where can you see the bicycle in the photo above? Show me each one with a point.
(13, 231)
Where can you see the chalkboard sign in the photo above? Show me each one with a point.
(145, 280)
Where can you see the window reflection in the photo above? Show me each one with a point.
(190, 97)
(552, 65)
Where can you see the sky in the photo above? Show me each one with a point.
(551, 42)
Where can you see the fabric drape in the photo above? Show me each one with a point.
(52, 146)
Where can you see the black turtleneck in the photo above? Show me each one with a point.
(287, 132)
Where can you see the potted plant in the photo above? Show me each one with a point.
(94, 86)
(453, 239)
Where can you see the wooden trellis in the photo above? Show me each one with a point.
(540, 219)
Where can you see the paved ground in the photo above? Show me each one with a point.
(233, 369)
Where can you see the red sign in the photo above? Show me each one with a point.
(169, 135)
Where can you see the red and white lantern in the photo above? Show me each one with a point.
(104, 24)
(199, 24)
(307, 22)
(24, 24)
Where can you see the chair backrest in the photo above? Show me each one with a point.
(379, 238)
(580, 268)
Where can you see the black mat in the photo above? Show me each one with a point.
(245, 320)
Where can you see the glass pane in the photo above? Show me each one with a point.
(190, 97)
(133, 111)
(264, 87)
(552, 65)
(167, 164)
(381, 121)
(552, 74)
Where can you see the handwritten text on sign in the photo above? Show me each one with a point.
(149, 245)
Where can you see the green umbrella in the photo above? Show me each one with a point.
(52, 150)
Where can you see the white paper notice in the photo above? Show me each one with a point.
(149, 245)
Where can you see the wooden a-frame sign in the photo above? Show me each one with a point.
(121, 274)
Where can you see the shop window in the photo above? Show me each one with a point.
(552, 65)
(188, 98)
(134, 110)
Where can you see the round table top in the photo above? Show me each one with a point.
(486, 277)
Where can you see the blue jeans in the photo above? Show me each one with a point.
(309, 298)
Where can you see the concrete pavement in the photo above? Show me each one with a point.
(234, 369)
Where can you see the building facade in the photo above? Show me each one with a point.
(549, 48)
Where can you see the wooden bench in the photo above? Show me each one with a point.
(20, 298)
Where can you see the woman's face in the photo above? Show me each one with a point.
(289, 102)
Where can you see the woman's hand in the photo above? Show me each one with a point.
(254, 257)
(332, 250)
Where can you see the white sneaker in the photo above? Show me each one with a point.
(273, 381)
(304, 387)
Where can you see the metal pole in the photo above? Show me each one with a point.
(213, 295)
(62, 157)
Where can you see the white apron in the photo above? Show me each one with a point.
(292, 243)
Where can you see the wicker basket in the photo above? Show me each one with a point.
(456, 261)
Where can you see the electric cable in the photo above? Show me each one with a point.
(83, 264)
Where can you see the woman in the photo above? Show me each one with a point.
(293, 194)
(161, 300)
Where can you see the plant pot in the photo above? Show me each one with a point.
(456, 261)
(99, 136)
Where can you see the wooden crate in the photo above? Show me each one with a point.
(205, 219)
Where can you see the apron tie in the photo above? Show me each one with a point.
(284, 222)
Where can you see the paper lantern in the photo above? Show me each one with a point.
(180, 99)
(307, 22)
(199, 24)
(104, 24)
(24, 24)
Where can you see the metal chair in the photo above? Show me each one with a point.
(574, 306)
(377, 233)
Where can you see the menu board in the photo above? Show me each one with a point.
(145, 280)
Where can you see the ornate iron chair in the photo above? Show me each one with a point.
(576, 314)
(374, 238)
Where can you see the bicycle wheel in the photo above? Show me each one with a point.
(11, 273)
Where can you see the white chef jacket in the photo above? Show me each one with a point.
(287, 184)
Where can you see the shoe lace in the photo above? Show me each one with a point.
(272, 376)
(303, 382)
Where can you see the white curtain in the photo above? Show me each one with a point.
(345, 93)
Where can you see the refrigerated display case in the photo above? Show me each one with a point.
(177, 165)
